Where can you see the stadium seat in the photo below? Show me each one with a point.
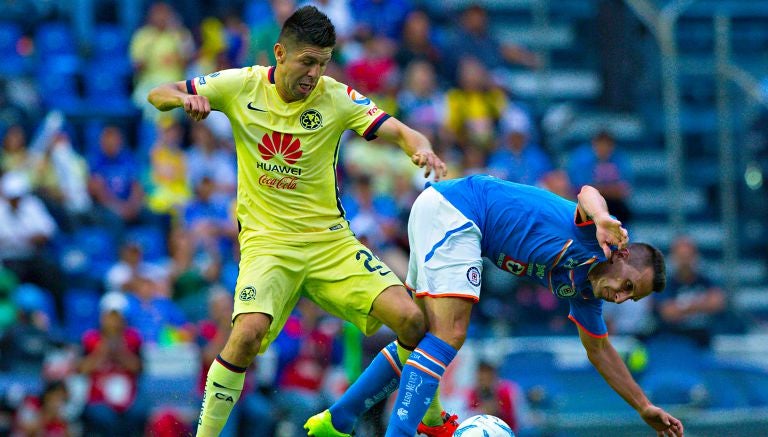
(586, 391)
(59, 90)
(88, 254)
(109, 41)
(536, 374)
(13, 62)
(82, 312)
(106, 90)
(56, 47)
(152, 241)
(30, 297)
(672, 386)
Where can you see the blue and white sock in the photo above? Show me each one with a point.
(380, 379)
(420, 378)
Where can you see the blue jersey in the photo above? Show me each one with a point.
(534, 234)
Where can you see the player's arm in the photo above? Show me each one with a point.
(609, 364)
(592, 207)
(174, 95)
(414, 144)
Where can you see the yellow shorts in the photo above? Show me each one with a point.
(342, 276)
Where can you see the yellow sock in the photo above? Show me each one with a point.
(402, 353)
(222, 389)
(433, 417)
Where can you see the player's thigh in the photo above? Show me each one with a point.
(445, 250)
(346, 278)
(269, 282)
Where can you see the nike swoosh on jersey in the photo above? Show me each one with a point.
(250, 106)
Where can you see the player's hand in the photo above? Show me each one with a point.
(610, 233)
(430, 162)
(664, 423)
(198, 107)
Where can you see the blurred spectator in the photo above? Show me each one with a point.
(475, 107)
(374, 217)
(474, 38)
(65, 185)
(417, 44)
(131, 267)
(207, 219)
(207, 157)
(264, 35)
(155, 316)
(634, 318)
(114, 184)
(194, 269)
(57, 173)
(558, 182)
(340, 14)
(306, 354)
(8, 283)
(15, 156)
(211, 55)
(44, 416)
(237, 37)
(496, 396)
(25, 345)
(168, 185)
(380, 17)
(159, 51)
(421, 102)
(692, 305)
(516, 158)
(375, 72)
(26, 228)
(112, 363)
(604, 167)
(253, 411)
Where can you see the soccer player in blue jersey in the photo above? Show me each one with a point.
(578, 250)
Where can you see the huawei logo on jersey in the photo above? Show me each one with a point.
(280, 144)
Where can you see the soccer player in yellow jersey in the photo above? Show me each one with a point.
(287, 122)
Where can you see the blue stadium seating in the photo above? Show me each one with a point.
(106, 90)
(152, 241)
(56, 47)
(82, 312)
(13, 63)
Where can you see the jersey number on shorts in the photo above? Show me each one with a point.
(367, 263)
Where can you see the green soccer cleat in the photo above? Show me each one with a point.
(320, 425)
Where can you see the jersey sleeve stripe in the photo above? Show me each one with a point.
(591, 334)
(370, 133)
(191, 86)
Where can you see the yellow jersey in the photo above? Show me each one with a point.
(287, 152)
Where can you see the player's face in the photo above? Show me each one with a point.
(620, 282)
(302, 66)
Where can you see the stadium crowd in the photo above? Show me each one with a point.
(117, 228)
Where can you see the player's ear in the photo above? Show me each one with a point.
(279, 53)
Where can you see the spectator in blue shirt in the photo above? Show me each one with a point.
(602, 166)
(517, 159)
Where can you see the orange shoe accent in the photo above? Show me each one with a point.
(450, 423)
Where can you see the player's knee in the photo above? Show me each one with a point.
(411, 325)
(248, 332)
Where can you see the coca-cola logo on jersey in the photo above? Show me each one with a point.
(279, 183)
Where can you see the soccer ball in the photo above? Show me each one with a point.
(483, 425)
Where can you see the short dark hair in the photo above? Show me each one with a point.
(309, 26)
(643, 255)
